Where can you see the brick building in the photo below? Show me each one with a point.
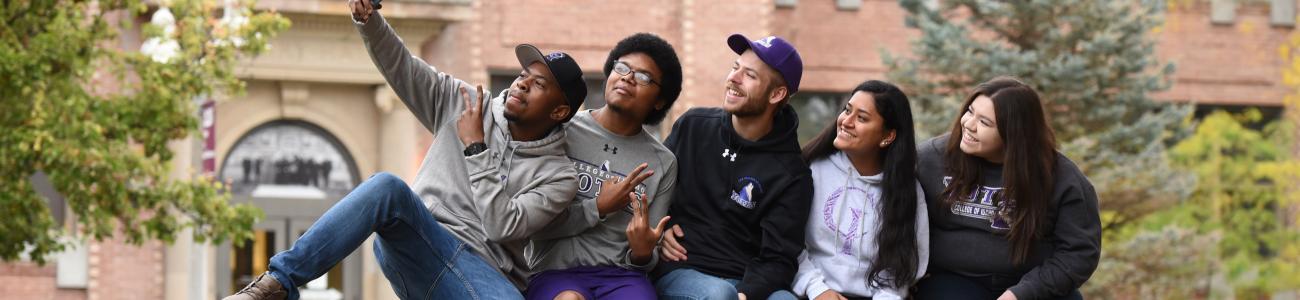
(318, 118)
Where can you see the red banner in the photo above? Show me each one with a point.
(208, 125)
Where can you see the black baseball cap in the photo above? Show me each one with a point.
(568, 75)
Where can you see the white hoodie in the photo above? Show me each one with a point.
(841, 232)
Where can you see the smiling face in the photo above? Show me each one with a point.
(622, 92)
(750, 86)
(860, 129)
(980, 135)
(534, 96)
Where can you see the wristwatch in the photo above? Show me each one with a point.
(475, 148)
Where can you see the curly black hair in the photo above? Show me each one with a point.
(659, 50)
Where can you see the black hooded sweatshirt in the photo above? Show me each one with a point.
(742, 204)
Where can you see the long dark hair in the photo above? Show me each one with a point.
(1029, 148)
(896, 238)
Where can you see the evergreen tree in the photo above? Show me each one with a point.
(1092, 62)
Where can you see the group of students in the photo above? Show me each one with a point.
(525, 196)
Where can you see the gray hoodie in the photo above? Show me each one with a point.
(491, 201)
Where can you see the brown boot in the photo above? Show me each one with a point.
(265, 287)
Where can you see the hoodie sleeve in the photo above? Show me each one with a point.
(575, 219)
(1077, 239)
(781, 241)
(809, 282)
(434, 97)
(516, 217)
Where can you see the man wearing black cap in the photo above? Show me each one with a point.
(743, 191)
(601, 247)
(494, 175)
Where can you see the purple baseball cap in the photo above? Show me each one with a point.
(774, 51)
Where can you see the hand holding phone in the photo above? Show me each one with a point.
(362, 9)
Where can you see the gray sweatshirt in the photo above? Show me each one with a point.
(579, 237)
(492, 201)
(970, 238)
(842, 229)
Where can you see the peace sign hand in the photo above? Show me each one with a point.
(641, 239)
(470, 126)
(613, 192)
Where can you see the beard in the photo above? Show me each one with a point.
(510, 117)
(509, 110)
(751, 107)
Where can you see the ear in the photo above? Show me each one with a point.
(777, 95)
(560, 112)
(659, 104)
(889, 137)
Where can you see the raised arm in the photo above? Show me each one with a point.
(431, 95)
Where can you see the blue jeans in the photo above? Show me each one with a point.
(420, 258)
(689, 284)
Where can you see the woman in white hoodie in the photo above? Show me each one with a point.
(868, 233)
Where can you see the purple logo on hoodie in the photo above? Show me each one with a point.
(828, 216)
(748, 188)
(985, 203)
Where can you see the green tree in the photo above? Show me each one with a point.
(1234, 235)
(97, 118)
(1173, 262)
(1242, 193)
(1092, 62)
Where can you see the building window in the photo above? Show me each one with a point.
(816, 111)
(1223, 12)
(289, 159)
(848, 4)
(1282, 13)
(1268, 114)
(71, 266)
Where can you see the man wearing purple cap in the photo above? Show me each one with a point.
(495, 174)
(743, 191)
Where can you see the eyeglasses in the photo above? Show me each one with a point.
(641, 78)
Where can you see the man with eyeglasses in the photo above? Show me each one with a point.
(601, 246)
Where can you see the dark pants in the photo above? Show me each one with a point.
(942, 285)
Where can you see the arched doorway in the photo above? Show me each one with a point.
(294, 171)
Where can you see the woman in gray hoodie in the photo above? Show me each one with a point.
(867, 234)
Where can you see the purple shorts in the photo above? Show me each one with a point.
(592, 282)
